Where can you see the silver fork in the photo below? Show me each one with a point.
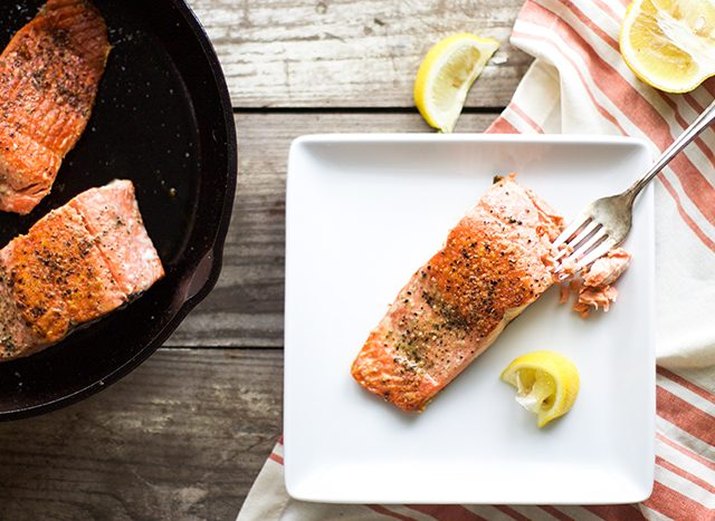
(605, 223)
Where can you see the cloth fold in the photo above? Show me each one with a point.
(579, 83)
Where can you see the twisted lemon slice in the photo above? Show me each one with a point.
(546, 382)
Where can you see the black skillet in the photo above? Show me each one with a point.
(163, 119)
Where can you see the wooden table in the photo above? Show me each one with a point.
(184, 436)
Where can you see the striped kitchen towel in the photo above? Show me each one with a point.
(579, 84)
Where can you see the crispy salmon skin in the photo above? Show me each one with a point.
(495, 262)
(49, 76)
(75, 265)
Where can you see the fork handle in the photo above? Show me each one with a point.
(701, 123)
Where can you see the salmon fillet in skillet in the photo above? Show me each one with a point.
(77, 264)
(49, 75)
(496, 261)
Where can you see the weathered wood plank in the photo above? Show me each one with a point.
(350, 53)
(246, 308)
(183, 437)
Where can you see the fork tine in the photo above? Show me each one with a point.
(571, 229)
(584, 235)
(598, 252)
(584, 248)
(581, 235)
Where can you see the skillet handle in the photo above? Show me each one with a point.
(201, 276)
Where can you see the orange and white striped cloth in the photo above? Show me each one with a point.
(579, 84)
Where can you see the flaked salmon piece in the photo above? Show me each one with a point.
(594, 288)
(495, 262)
(49, 76)
(606, 270)
(595, 298)
(64, 273)
(112, 216)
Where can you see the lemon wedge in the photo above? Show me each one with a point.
(446, 74)
(546, 382)
(670, 44)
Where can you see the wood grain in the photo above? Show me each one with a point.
(351, 53)
(181, 438)
(184, 435)
(246, 308)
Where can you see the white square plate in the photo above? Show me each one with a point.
(363, 213)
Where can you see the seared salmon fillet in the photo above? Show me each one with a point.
(77, 264)
(495, 262)
(49, 76)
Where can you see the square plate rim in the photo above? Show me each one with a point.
(378, 137)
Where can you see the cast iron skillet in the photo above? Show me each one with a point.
(163, 119)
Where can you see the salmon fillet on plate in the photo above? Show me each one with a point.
(495, 262)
